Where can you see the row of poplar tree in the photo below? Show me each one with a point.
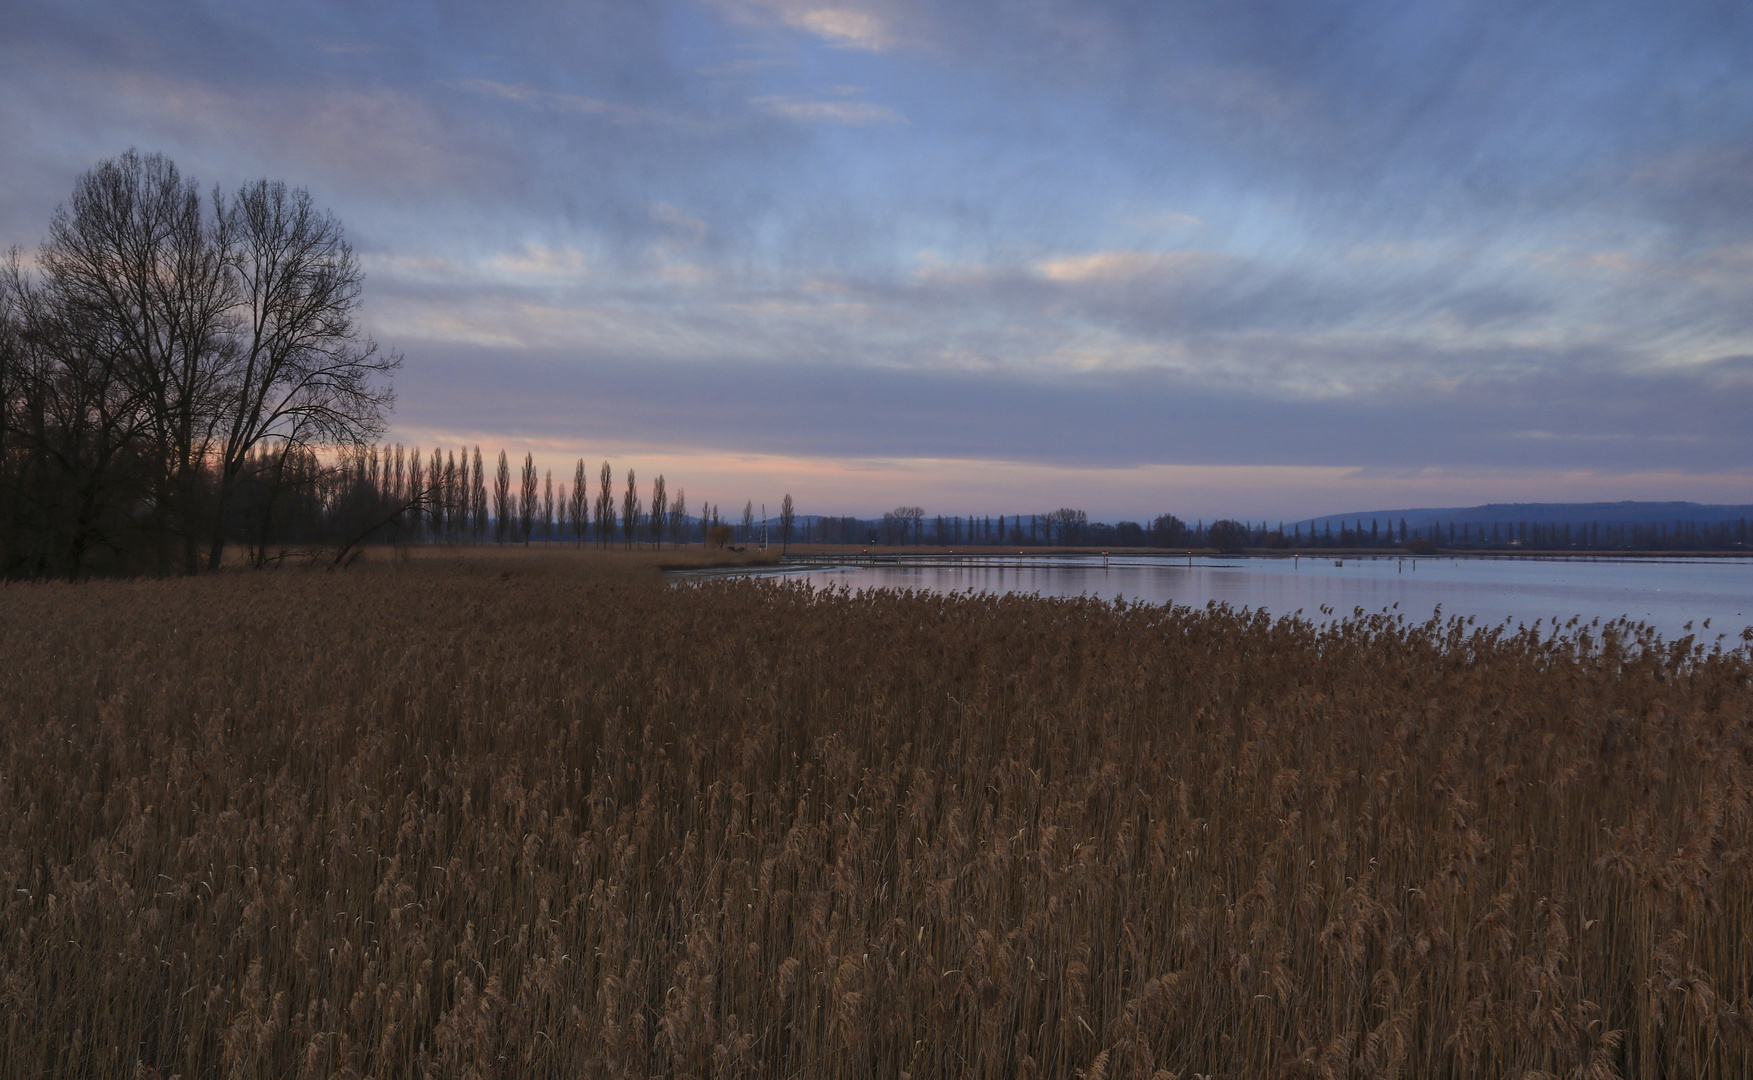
(390, 494)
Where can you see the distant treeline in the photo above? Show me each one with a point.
(390, 494)
(1073, 528)
(1061, 528)
(1678, 535)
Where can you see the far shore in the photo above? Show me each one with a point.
(996, 551)
(645, 558)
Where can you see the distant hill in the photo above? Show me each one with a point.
(1617, 513)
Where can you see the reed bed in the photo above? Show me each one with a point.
(529, 819)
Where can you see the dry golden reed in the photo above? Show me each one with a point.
(523, 818)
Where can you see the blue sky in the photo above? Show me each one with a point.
(1254, 259)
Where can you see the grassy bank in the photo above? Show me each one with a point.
(544, 815)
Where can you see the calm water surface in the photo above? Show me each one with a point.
(1666, 593)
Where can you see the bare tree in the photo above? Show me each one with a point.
(416, 485)
(578, 506)
(1167, 530)
(435, 506)
(679, 518)
(605, 505)
(630, 510)
(894, 528)
(12, 405)
(75, 436)
(748, 521)
(1067, 524)
(356, 520)
(901, 522)
(548, 505)
(787, 517)
(462, 506)
(299, 370)
(501, 499)
(659, 510)
(135, 272)
(14, 415)
(1229, 537)
(449, 496)
(478, 499)
(526, 505)
(438, 509)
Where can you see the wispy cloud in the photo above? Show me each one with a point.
(868, 25)
(1115, 266)
(534, 97)
(539, 261)
(855, 113)
(686, 229)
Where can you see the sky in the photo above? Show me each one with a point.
(1228, 258)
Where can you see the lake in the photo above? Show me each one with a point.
(1664, 593)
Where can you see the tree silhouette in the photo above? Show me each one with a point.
(526, 503)
(501, 499)
(659, 512)
(630, 510)
(1229, 537)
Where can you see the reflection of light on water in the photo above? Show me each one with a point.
(1666, 593)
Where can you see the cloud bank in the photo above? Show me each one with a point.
(1357, 240)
